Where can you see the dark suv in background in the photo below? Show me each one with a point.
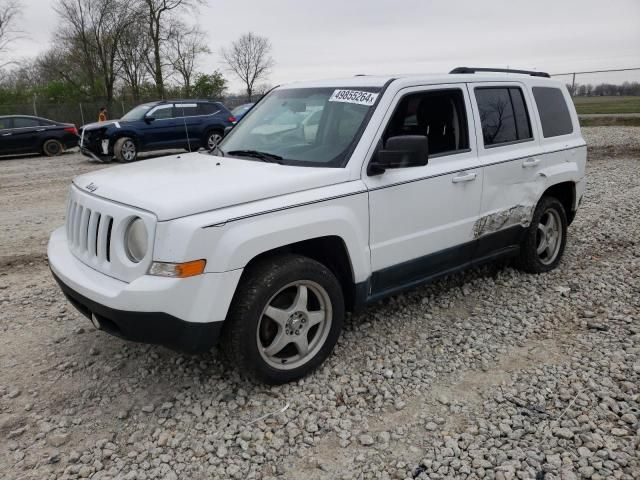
(188, 124)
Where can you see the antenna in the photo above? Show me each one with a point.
(186, 130)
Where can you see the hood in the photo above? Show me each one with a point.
(108, 123)
(180, 185)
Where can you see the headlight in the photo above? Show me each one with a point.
(136, 240)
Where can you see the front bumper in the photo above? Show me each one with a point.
(183, 314)
(95, 156)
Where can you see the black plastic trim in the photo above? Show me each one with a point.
(499, 70)
(147, 327)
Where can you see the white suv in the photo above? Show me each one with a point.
(291, 220)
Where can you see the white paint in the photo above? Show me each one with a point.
(227, 211)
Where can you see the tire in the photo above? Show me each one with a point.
(52, 148)
(269, 347)
(545, 239)
(125, 150)
(212, 138)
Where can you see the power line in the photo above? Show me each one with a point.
(596, 71)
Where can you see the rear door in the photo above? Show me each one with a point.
(509, 151)
(190, 127)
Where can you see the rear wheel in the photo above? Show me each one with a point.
(212, 138)
(285, 319)
(546, 237)
(52, 147)
(125, 150)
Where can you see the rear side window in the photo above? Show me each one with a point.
(209, 108)
(554, 114)
(186, 110)
(503, 115)
(22, 122)
(5, 123)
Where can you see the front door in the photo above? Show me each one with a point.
(162, 132)
(422, 218)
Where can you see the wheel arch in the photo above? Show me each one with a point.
(330, 250)
(565, 192)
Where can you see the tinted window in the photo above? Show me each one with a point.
(5, 123)
(554, 114)
(503, 115)
(23, 122)
(209, 108)
(186, 110)
(162, 111)
(439, 115)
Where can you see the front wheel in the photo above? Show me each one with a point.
(125, 150)
(285, 319)
(546, 237)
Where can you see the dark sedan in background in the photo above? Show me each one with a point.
(26, 134)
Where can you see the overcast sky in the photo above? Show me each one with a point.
(330, 38)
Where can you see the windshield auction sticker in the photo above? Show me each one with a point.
(353, 96)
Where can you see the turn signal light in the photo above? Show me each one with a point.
(178, 270)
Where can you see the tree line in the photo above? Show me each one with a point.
(135, 49)
(605, 89)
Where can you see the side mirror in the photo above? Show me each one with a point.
(227, 130)
(149, 118)
(401, 152)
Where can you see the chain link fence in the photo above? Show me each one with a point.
(81, 113)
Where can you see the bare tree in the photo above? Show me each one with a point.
(9, 12)
(250, 59)
(132, 54)
(185, 47)
(154, 12)
(94, 29)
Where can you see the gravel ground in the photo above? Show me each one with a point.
(488, 374)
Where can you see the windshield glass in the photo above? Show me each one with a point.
(137, 113)
(304, 126)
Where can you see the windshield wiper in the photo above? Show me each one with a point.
(264, 156)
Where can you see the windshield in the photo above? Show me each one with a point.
(137, 113)
(304, 126)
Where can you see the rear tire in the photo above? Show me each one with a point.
(52, 148)
(545, 239)
(285, 319)
(212, 138)
(125, 150)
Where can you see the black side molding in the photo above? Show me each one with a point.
(499, 70)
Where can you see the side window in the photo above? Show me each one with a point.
(554, 114)
(186, 110)
(23, 122)
(162, 111)
(503, 115)
(5, 123)
(440, 115)
(209, 109)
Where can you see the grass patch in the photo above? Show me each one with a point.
(612, 121)
(588, 105)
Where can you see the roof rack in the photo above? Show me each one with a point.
(500, 70)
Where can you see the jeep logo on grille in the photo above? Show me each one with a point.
(92, 187)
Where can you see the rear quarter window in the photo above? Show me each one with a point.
(554, 113)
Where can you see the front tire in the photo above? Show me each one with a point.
(546, 237)
(125, 150)
(52, 148)
(285, 319)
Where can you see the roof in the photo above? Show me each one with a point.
(429, 78)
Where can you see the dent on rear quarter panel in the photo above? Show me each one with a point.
(518, 215)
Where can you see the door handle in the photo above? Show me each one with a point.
(530, 162)
(6, 134)
(40, 130)
(465, 177)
